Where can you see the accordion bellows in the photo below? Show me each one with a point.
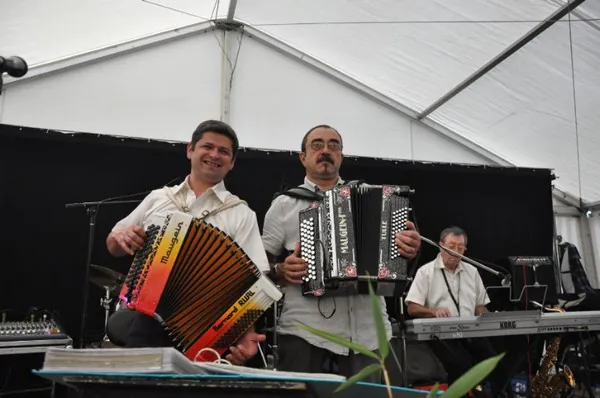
(199, 283)
(348, 238)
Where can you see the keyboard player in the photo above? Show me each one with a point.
(449, 287)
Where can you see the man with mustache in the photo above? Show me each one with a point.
(449, 287)
(212, 152)
(347, 316)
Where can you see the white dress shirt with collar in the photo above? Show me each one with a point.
(239, 222)
(352, 315)
(429, 288)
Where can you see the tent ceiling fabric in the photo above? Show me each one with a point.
(46, 30)
(524, 108)
(413, 63)
(411, 51)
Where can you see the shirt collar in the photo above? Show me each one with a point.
(218, 189)
(440, 264)
(313, 187)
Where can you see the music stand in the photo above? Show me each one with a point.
(506, 299)
(91, 211)
(534, 274)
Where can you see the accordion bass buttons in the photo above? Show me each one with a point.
(307, 247)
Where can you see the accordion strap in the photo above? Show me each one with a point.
(231, 201)
(305, 193)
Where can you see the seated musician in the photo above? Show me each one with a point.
(212, 152)
(347, 316)
(449, 287)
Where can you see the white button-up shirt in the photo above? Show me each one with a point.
(352, 315)
(239, 222)
(429, 288)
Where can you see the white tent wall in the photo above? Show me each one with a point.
(583, 232)
(593, 225)
(157, 91)
(161, 90)
(276, 98)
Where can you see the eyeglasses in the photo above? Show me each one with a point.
(332, 145)
(455, 248)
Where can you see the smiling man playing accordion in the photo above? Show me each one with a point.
(197, 277)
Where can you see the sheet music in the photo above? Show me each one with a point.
(223, 368)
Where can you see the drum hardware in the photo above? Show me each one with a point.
(273, 357)
(107, 279)
(111, 281)
(105, 303)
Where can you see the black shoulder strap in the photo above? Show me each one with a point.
(300, 193)
(304, 193)
(355, 182)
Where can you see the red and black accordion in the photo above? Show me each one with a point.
(198, 283)
(348, 238)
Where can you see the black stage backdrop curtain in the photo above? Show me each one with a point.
(505, 211)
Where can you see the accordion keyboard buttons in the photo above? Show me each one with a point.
(399, 220)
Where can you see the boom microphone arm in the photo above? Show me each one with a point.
(505, 278)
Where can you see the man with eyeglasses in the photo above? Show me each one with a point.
(449, 287)
(347, 316)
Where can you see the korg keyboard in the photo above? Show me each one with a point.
(31, 337)
(502, 324)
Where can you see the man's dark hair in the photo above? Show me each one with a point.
(324, 126)
(218, 127)
(453, 231)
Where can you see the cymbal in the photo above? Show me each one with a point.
(106, 278)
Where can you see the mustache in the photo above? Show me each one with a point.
(325, 158)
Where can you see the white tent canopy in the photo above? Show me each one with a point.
(499, 82)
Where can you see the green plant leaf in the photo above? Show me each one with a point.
(372, 368)
(473, 377)
(434, 391)
(384, 347)
(341, 341)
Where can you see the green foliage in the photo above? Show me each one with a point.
(334, 338)
(473, 377)
(367, 371)
(434, 391)
(384, 347)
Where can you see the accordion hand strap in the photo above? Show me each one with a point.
(231, 201)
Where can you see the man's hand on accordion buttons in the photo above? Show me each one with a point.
(409, 241)
(130, 238)
(294, 267)
(246, 348)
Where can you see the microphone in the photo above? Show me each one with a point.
(14, 66)
(505, 278)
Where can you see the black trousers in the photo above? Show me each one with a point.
(297, 355)
(458, 356)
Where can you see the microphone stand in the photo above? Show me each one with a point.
(505, 277)
(92, 211)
